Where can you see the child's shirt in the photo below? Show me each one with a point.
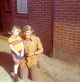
(16, 43)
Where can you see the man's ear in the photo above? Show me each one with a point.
(24, 33)
(31, 32)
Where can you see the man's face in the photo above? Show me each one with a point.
(28, 34)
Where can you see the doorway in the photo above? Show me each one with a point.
(6, 17)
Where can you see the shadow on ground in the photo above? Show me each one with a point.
(6, 65)
(6, 61)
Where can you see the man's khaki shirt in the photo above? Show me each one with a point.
(33, 44)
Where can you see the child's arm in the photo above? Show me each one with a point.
(12, 48)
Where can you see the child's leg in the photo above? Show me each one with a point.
(16, 64)
(16, 69)
(16, 72)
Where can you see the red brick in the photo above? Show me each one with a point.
(67, 25)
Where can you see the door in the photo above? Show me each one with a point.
(6, 11)
(1, 25)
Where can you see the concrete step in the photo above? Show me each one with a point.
(58, 70)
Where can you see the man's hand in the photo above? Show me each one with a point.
(30, 54)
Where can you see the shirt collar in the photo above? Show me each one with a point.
(31, 38)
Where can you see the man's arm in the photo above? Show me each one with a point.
(38, 51)
(39, 47)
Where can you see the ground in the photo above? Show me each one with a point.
(49, 69)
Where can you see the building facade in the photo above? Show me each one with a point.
(37, 13)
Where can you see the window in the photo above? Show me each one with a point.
(22, 7)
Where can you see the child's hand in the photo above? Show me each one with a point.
(22, 54)
(18, 54)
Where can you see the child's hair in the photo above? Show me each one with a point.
(17, 28)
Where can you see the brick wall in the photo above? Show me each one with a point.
(40, 18)
(67, 25)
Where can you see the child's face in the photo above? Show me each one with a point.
(16, 33)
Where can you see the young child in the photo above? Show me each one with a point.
(17, 48)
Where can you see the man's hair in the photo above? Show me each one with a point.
(26, 28)
(16, 28)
